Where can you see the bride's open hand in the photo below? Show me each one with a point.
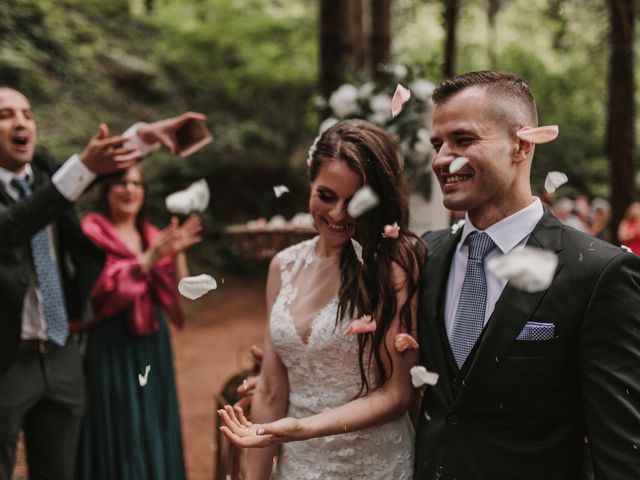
(242, 433)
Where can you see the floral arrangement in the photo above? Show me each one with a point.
(371, 100)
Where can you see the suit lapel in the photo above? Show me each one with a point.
(512, 311)
(436, 352)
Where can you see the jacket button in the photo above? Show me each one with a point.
(453, 419)
(439, 471)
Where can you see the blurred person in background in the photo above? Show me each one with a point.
(131, 428)
(629, 228)
(600, 212)
(579, 216)
(562, 208)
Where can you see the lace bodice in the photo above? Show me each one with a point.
(323, 374)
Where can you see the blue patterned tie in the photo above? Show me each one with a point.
(469, 319)
(55, 312)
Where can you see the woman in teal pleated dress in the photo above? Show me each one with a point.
(131, 429)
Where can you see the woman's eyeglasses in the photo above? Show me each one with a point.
(125, 183)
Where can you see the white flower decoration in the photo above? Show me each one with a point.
(344, 101)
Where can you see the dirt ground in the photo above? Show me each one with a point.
(214, 345)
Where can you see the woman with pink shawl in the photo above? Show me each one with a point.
(132, 427)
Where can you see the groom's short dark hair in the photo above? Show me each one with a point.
(511, 98)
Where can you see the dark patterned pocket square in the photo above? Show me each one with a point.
(537, 331)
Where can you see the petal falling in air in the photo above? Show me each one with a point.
(364, 199)
(195, 287)
(404, 341)
(400, 97)
(543, 134)
(554, 180)
(391, 231)
(361, 325)
(457, 164)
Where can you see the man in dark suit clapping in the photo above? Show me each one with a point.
(542, 385)
(47, 269)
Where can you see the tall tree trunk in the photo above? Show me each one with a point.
(493, 6)
(451, 8)
(342, 42)
(620, 138)
(380, 34)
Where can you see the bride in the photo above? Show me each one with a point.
(331, 364)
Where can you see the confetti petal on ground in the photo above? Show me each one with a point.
(364, 199)
(554, 180)
(195, 287)
(280, 190)
(194, 198)
(361, 325)
(530, 269)
(358, 249)
(457, 164)
(539, 134)
(421, 376)
(142, 379)
(391, 231)
(400, 97)
(404, 341)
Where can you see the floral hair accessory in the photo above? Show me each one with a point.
(543, 134)
(391, 231)
(312, 150)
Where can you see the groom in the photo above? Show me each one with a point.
(533, 386)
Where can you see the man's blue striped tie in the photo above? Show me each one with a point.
(469, 319)
(55, 312)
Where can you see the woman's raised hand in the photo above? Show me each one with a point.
(242, 433)
(173, 239)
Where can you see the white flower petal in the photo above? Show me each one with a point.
(194, 198)
(421, 376)
(400, 97)
(279, 190)
(357, 248)
(364, 199)
(142, 379)
(457, 226)
(530, 269)
(554, 180)
(195, 287)
(457, 164)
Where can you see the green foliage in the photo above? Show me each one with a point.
(560, 48)
(248, 65)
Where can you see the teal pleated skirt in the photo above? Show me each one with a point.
(130, 432)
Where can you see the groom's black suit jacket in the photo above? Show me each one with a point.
(80, 261)
(566, 408)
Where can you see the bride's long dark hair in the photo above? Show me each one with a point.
(367, 289)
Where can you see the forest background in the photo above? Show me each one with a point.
(254, 67)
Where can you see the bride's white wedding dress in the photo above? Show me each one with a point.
(323, 374)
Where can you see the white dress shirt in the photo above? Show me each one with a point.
(507, 234)
(71, 180)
